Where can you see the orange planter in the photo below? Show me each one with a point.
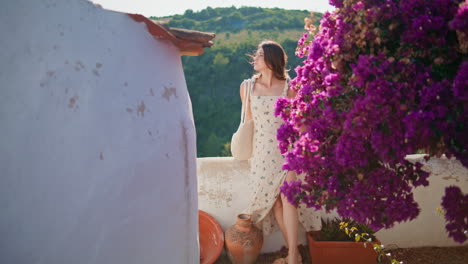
(211, 238)
(339, 252)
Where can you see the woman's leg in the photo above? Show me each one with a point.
(278, 212)
(291, 223)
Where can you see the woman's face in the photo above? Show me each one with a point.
(259, 60)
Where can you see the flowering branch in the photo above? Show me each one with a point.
(380, 79)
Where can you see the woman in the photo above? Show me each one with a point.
(270, 210)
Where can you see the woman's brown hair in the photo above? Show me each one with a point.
(275, 58)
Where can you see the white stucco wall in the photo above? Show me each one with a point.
(224, 191)
(97, 141)
(428, 229)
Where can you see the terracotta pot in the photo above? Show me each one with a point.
(338, 252)
(243, 241)
(211, 238)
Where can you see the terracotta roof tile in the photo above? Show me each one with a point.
(189, 42)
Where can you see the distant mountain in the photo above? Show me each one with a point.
(213, 78)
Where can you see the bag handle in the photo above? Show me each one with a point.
(246, 100)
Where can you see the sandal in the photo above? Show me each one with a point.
(285, 259)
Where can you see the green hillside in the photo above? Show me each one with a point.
(234, 19)
(213, 78)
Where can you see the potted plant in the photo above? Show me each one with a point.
(343, 241)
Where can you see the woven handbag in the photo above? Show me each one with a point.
(242, 140)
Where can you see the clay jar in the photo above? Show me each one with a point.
(243, 241)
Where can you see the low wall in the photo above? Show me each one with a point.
(224, 190)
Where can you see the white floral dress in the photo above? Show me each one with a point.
(267, 175)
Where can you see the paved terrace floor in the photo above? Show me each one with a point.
(422, 255)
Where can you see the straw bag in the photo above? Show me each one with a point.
(242, 140)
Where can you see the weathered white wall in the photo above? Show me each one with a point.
(97, 141)
(224, 190)
(428, 229)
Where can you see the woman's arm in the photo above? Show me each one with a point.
(291, 93)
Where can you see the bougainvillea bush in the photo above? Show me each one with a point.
(380, 79)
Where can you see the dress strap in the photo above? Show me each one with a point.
(286, 87)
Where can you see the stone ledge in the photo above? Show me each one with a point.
(224, 189)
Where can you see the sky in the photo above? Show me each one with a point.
(161, 8)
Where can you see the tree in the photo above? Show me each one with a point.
(213, 145)
(226, 152)
(189, 13)
(220, 59)
(380, 80)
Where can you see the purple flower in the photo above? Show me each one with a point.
(336, 3)
(292, 191)
(460, 21)
(281, 106)
(358, 6)
(455, 204)
(460, 83)
(381, 80)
